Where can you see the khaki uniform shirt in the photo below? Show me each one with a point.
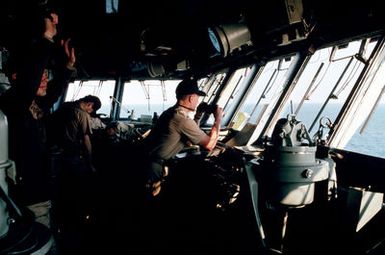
(174, 129)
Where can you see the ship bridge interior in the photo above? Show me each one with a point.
(300, 164)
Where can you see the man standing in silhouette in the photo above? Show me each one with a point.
(26, 104)
(71, 129)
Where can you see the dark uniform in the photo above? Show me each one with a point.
(26, 114)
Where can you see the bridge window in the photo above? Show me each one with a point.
(147, 97)
(265, 92)
(112, 6)
(325, 85)
(232, 93)
(102, 89)
(212, 85)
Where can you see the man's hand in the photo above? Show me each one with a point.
(214, 133)
(50, 26)
(70, 53)
(218, 114)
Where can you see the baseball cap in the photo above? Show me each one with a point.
(188, 87)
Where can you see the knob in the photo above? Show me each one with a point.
(307, 173)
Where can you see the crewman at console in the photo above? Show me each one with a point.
(175, 129)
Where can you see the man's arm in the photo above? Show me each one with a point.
(87, 144)
(63, 72)
(86, 129)
(211, 140)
